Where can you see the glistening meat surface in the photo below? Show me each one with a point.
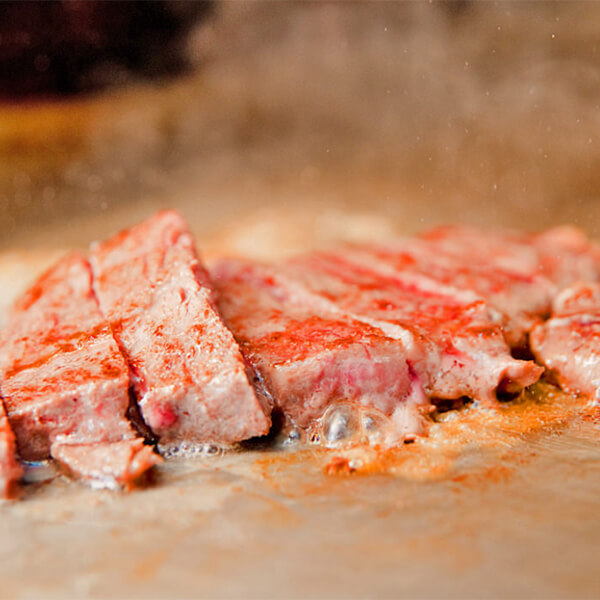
(568, 344)
(463, 351)
(63, 378)
(62, 374)
(517, 299)
(517, 273)
(186, 369)
(311, 356)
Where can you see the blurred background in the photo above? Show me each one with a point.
(273, 124)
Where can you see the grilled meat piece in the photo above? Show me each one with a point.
(517, 299)
(106, 465)
(567, 256)
(309, 354)
(518, 274)
(63, 378)
(186, 368)
(463, 350)
(62, 374)
(568, 344)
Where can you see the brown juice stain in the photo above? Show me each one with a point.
(496, 437)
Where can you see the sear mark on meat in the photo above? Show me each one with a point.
(63, 378)
(460, 349)
(310, 355)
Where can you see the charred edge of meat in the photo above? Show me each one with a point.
(508, 390)
(524, 352)
(552, 377)
(265, 397)
(257, 381)
(137, 420)
(443, 405)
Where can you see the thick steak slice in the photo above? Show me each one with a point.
(463, 350)
(62, 375)
(518, 298)
(309, 354)
(187, 371)
(10, 470)
(568, 344)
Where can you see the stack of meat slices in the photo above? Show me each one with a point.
(108, 352)
(113, 359)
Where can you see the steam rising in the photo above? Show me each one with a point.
(476, 112)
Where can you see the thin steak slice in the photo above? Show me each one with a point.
(563, 254)
(310, 355)
(517, 299)
(463, 350)
(524, 271)
(186, 369)
(63, 378)
(10, 470)
(568, 344)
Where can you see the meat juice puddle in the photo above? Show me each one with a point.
(347, 440)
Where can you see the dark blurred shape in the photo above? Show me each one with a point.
(68, 46)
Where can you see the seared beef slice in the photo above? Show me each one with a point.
(463, 351)
(310, 355)
(186, 369)
(518, 295)
(518, 274)
(568, 344)
(10, 470)
(63, 378)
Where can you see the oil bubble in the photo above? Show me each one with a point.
(293, 438)
(375, 425)
(191, 449)
(339, 424)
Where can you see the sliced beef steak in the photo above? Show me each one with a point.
(311, 355)
(519, 274)
(517, 299)
(10, 470)
(463, 350)
(62, 374)
(187, 371)
(568, 344)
